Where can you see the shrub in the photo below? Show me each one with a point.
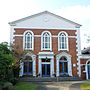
(14, 80)
(7, 86)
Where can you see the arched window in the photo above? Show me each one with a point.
(62, 41)
(46, 41)
(28, 40)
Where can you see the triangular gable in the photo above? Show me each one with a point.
(36, 20)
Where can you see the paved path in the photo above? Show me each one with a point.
(75, 86)
(68, 85)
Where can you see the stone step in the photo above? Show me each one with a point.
(49, 79)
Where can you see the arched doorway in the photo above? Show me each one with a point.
(63, 65)
(28, 66)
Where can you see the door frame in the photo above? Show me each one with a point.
(21, 73)
(68, 56)
(45, 69)
(44, 55)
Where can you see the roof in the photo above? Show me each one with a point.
(86, 50)
(22, 19)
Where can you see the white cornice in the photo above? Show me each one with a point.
(45, 28)
(45, 12)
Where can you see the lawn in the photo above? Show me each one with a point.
(85, 86)
(25, 86)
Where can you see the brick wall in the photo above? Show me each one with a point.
(37, 44)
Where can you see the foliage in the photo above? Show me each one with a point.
(25, 86)
(6, 60)
(17, 52)
(7, 86)
(85, 86)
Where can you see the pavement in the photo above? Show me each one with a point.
(68, 85)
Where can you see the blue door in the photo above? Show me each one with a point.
(28, 68)
(88, 71)
(45, 70)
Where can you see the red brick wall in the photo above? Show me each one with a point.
(37, 43)
(83, 74)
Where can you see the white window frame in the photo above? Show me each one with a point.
(42, 43)
(66, 36)
(32, 47)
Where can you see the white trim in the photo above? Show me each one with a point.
(42, 41)
(44, 53)
(21, 73)
(87, 69)
(12, 31)
(45, 28)
(34, 65)
(32, 40)
(45, 13)
(71, 36)
(58, 56)
(66, 41)
(21, 69)
(84, 56)
(18, 35)
(39, 66)
(49, 55)
(78, 46)
(78, 41)
(54, 36)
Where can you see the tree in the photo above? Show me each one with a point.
(6, 60)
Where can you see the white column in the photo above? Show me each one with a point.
(52, 67)
(12, 31)
(86, 71)
(78, 41)
(39, 67)
(21, 69)
(57, 67)
(34, 66)
(69, 68)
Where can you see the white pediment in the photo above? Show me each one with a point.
(45, 20)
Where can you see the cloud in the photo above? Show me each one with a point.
(77, 13)
(81, 15)
(11, 10)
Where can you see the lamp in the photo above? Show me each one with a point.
(46, 58)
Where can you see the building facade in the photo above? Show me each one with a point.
(51, 42)
(85, 63)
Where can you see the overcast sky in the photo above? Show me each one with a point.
(75, 10)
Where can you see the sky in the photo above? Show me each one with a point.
(75, 10)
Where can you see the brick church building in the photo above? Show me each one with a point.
(51, 42)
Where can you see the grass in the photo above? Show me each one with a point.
(85, 86)
(25, 86)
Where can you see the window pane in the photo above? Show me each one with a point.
(63, 41)
(46, 41)
(28, 45)
(28, 40)
(63, 46)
